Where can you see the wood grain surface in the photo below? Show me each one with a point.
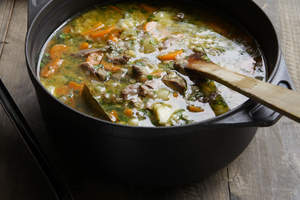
(268, 169)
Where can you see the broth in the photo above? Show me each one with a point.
(124, 62)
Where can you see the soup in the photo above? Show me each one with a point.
(125, 63)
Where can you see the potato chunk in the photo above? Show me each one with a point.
(163, 112)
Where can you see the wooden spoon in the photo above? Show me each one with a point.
(282, 100)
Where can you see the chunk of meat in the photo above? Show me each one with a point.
(85, 52)
(130, 90)
(180, 67)
(100, 73)
(139, 72)
(146, 89)
(175, 81)
(94, 58)
(130, 93)
(154, 29)
(118, 60)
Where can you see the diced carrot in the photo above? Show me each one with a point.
(110, 66)
(84, 45)
(57, 50)
(60, 91)
(94, 58)
(148, 8)
(157, 73)
(128, 112)
(75, 86)
(113, 37)
(170, 56)
(103, 32)
(51, 68)
(66, 29)
(116, 8)
(114, 116)
(115, 69)
(195, 109)
(93, 29)
(175, 94)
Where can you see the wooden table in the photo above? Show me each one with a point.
(268, 169)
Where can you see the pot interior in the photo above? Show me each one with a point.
(58, 12)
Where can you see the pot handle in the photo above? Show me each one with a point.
(34, 6)
(259, 115)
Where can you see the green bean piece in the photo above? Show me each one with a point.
(216, 101)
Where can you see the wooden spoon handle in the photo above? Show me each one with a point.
(282, 100)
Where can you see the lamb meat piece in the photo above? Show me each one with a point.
(118, 60)
(175, 81)
(130, 90)
(146, 89)
(85, 52)
(138, 71)
(100, 73)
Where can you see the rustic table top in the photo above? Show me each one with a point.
(268, 169)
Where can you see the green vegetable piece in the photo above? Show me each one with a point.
(216, 101)
(149, 77)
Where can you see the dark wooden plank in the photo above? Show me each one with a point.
(20, 177)
(13, 72)
(6, 8)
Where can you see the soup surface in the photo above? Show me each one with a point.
(125, 63)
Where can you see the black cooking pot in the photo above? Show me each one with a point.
(159, 155)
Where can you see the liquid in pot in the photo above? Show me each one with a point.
(124, 63)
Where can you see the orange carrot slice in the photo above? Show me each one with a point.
(60, 91)
(170, 56)
(128, 112)
(113, 37)
(195, 109)
(102, 33)
(84, 45)
(57, 50)
(110, 66)
(66, 29)
(51, 68)
(94, 28)
(75, 86)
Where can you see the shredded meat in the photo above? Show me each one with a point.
(174, 81)
(118, 60)
(146, 89)
(130, 90)
(85, 52)
(138, 71)
(100, 73)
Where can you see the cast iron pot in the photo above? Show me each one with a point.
(146, 155)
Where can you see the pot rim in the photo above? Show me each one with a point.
(204, 123)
